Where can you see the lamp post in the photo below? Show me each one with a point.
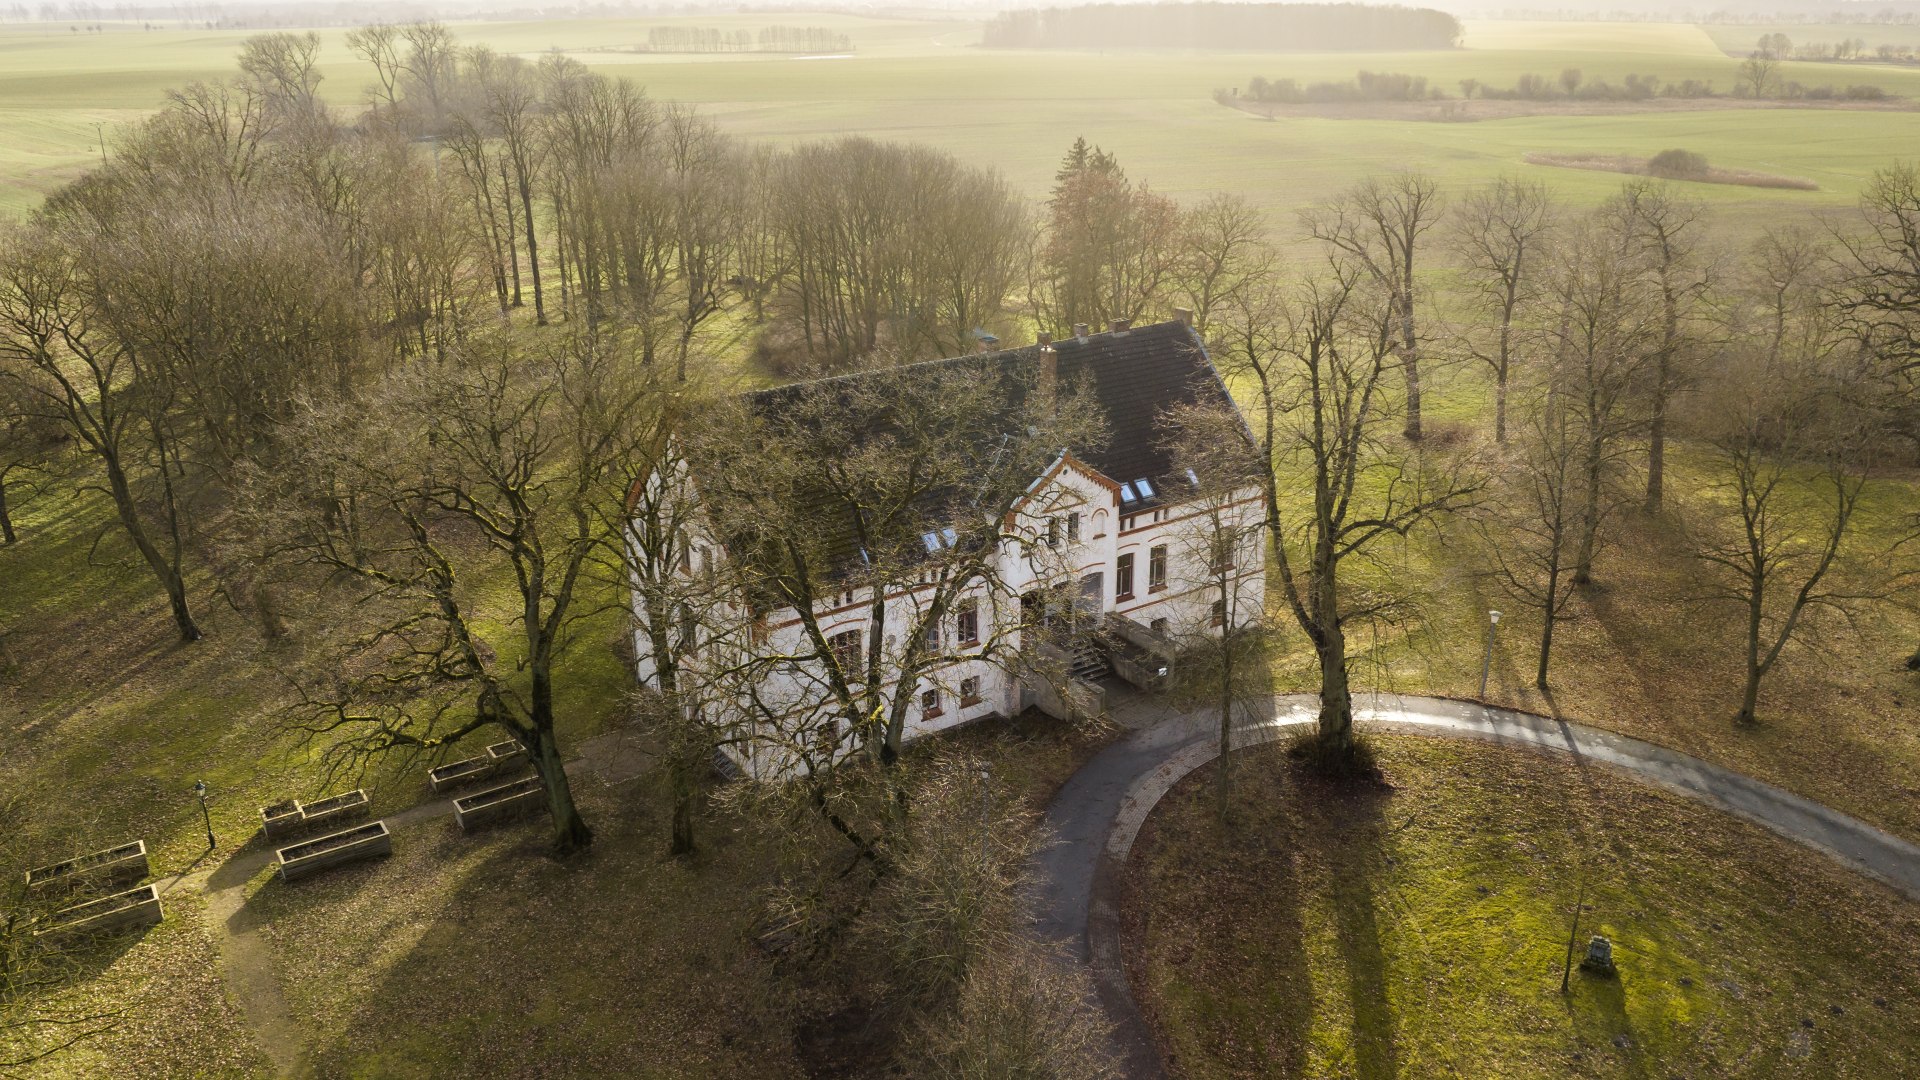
(200, 789)
(1486, 665)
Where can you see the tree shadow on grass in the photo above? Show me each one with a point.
(1359, 858)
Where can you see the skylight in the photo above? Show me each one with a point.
(1146, 489)
(948, 535)
(1192, 479)
(1127, 495)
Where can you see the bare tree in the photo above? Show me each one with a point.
(1501, 235)
(1316, 362)
(29, 436)
(1757, 76)
(1663, 230)
(1224, 655)
(495, 460)
(1880, 296)
(1788, 461)
(1224, 255)
(1534, 515)
(60, 361)
(379, 44)
(1608, 320)
(1378, 224)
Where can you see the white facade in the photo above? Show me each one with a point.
(1148, 558)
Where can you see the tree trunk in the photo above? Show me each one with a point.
(1657, 445)
(1589, 521)
(1756, 609)
(1410, 360)
(681, 842)
(1335, 731)
(533, 245)
(1548, 616)
(1223, 780)
(167, 572)
(7, 535)
(513, 240)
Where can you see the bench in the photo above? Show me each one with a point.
(324, 852)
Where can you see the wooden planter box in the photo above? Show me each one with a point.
(333, 812)
(522, 796)
(281, 821)
(114, 868)
(459, 773)
(109, 914)
(507, 755)
(323, 852)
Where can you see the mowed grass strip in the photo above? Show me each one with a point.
(1419, 929)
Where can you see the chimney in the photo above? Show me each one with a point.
(1183, 316)
(1080, 330)
(1119, 326)
(1046, 339)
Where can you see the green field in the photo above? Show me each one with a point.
(1017, 110)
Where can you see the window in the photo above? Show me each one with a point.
(933, 638)
(1222, 555)
(1053, 532)
(970, 691)
(1127, 495)
(686, 552)
(969, 623)
(1073, 527)
(930, 704)
(1123, 577)
(1219, 613)
(1158, 626)
(1145, 489)
(846, 650)
(1157, 568)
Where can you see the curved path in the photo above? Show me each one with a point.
(1098, 812)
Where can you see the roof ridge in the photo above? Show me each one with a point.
(979, 357)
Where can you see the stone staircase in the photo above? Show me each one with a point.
(1087, 661)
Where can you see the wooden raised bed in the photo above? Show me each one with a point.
(333, 812)
(459, 773)
(324, 852)
(114, 868)
(507, 755)
(281, 821)
(135, 907)
(522, 796)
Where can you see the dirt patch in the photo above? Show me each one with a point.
(1634, 166)
(1456, 110)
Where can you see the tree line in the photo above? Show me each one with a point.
(1757, 78)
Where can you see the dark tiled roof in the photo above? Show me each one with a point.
(1135, 375)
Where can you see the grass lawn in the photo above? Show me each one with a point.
(1418, 929)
